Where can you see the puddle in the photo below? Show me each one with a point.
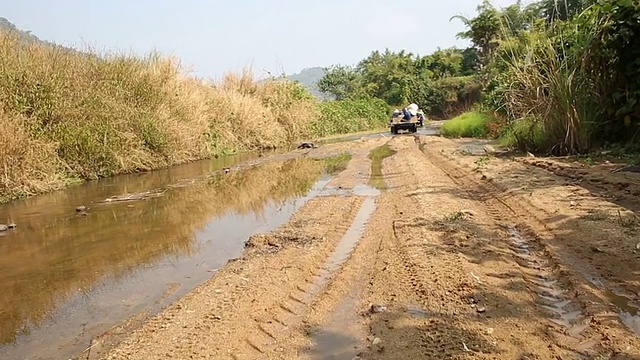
(66, 279)
(475, 146)
(346, 245)
(417, 311)
(334, 340)
(376, 156)
(628, 311)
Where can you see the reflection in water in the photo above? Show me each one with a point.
(62, 275)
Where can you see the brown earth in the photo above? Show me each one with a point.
(459, 257)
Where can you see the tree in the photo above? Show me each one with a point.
(483, 30)
(340, 81)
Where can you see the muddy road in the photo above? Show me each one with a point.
(409, 247)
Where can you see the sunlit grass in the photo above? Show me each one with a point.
(470, 124)
(67, 116)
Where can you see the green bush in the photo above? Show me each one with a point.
(526, 134)
(471, 124)
(447, 97)
(348, 116)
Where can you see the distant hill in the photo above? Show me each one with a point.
(27, 36)
(308, 78)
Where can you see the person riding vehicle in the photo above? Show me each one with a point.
(410, 111)
(402, 120)
(421, 117)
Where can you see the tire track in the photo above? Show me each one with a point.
(292, 309)
(545, 273)
(430, 297)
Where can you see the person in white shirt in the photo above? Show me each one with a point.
(410, 111)
(413, 109)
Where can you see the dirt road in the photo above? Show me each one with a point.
(453, 256)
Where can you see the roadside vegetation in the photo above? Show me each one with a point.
(469, 124)
(558, 77)
(67, 116)
(354, 115)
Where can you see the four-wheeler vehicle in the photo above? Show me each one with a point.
(399, 123)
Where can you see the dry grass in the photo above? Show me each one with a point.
(67, 116)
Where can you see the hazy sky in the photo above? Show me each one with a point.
(217, 36)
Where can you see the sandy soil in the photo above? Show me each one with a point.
(460, 257)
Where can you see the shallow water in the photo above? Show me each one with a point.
(66, 277)
(335, 339)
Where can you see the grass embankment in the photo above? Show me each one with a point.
(471, 124)
(69, 116)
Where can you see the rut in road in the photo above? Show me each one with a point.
(558, 288)
(436, 300)
(293, 309)
(465, 273)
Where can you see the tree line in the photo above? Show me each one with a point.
(560, 76)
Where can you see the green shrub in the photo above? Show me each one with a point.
(471, 124)
(526, 134)
(348, 116)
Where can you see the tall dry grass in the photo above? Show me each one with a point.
(548, 94)
(67, 116)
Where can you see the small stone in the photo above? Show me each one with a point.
(81, 208)
(490, 331)
(12, 226)
(376, 341)
(481, 310)
(3, 227)
(377, 309)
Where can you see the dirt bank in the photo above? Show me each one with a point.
(459, 256)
